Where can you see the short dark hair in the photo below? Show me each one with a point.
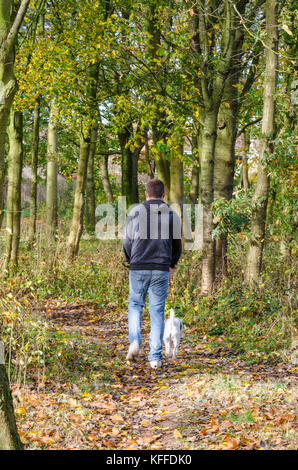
(155, 188)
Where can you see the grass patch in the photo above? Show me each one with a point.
(240, 418)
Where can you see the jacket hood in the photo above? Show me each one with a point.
(158, 206)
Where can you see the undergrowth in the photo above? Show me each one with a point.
(258, 325)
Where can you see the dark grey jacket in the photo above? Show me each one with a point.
(152, 236)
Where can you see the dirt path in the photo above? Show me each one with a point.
(206, 399)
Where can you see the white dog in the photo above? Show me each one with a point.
(172, 334)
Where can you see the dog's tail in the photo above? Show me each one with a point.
(172, 315)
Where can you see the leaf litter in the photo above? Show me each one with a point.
(206, 399)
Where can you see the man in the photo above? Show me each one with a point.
(152, 247)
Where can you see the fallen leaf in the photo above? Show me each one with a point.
(177, 434)
(21, 411)
(230, 444)
(146, 422)
(75, 418)
(117, 419)
(115, 432)
(92, 437)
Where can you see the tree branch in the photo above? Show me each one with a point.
(108, 152)
(251, 123)
(11, 38)
(251, 75)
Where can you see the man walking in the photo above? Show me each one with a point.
(152, 247)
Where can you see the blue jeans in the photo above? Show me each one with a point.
(156, 283)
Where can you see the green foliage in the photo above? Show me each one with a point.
(36, 349)
(254, 324)
(29, 341)
(232, 216)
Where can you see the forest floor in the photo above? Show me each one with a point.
(206, 399)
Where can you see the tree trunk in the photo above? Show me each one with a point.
(15, 159)
(212, 84)
(194, 188)
(129, 168)
(245, 180)
(162, 160)
(9, 438)
(162, 164)
(287, 213)
(260, 198)
(163, 173)
(34, 167)
(147, 156)
(176, 195)
(78, 209)
(51, 193)
(195, 173)
(8, 86)
(4, 114)
(90, 186)
(206, 189)
(225, 145)
(224, 165)
(284, 247)
(85, 141)
(135, 174)
(104, 170)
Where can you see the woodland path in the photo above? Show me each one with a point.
(206, 399)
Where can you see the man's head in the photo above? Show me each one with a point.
(155, 189)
